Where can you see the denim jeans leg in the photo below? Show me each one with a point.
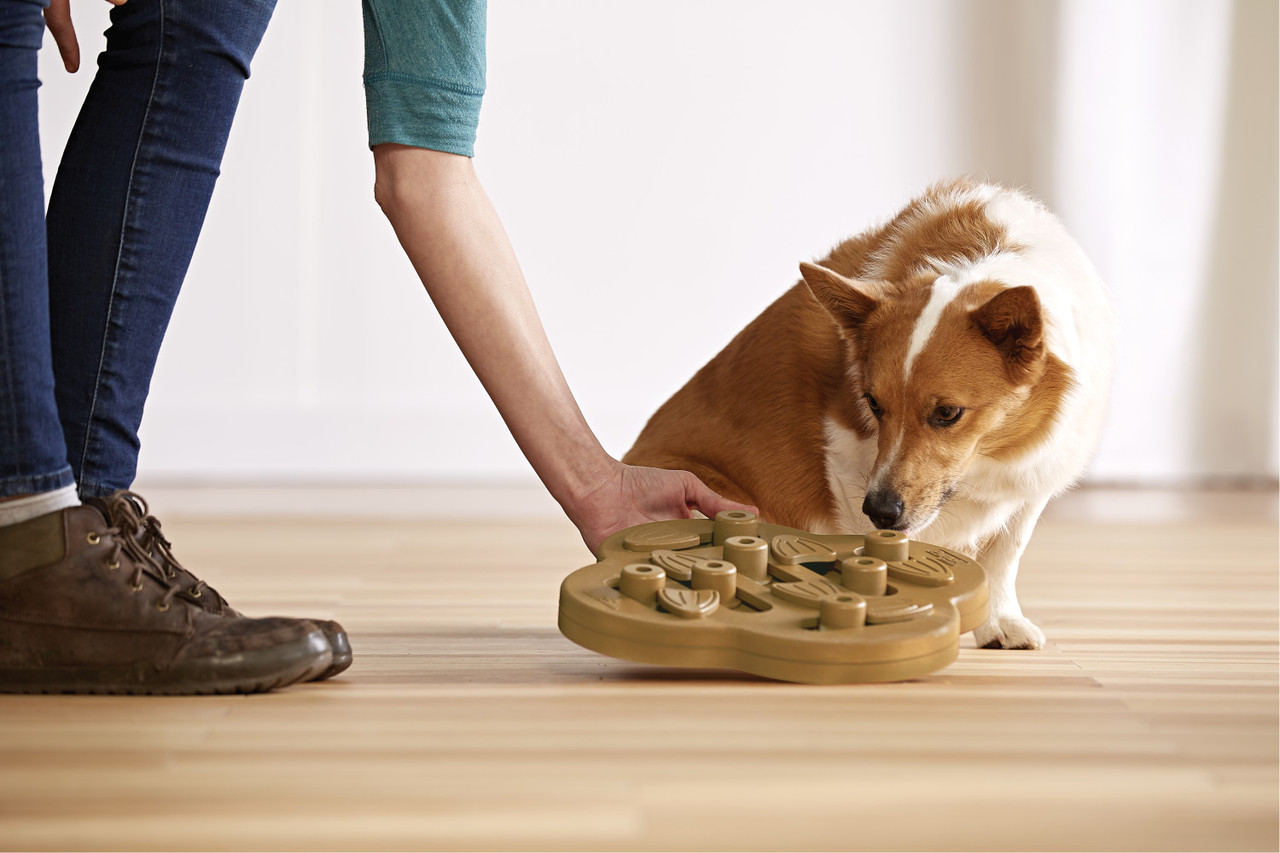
(127, 206)
(32, 456)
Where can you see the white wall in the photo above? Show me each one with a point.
(663, 166)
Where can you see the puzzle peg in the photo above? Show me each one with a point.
(750, 554)
(864, 575)
(889, 545)
(733, 522)
(720, 575)
(642, 581)
(848, 610)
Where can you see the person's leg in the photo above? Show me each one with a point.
(83, 607)
(126, 209)
(127, 206)
(34, 475)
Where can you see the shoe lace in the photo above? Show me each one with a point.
(129, 510)
(122, 542)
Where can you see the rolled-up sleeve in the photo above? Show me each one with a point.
(424, 72)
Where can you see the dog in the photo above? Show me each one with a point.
(944, 374)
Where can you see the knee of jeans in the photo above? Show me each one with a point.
(195, 29)
(236, 28)
(239, 27)
(21, 25)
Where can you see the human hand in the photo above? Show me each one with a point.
(632, 495)
(58, 19)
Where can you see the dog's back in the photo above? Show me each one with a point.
(750, 422)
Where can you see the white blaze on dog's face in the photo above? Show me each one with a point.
(940, 368)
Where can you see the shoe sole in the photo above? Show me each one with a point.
(252, 672)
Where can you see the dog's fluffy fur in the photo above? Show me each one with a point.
(944, 374)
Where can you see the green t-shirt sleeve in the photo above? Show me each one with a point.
(424, 66)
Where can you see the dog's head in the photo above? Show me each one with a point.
(942, 374)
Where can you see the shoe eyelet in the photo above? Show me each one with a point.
(113, 565)
(196, 593)
(137, 588)
(93, 538)
(162, 606)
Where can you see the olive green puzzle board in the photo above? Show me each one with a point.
(743, 594)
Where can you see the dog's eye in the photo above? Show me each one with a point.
(873, 405)
(945, 416)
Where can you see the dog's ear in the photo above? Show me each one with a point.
(1012, 321)
(849, 302)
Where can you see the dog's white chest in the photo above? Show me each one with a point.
(849, 462)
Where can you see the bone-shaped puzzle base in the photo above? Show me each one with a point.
(739, 593)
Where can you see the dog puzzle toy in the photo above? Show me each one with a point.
(743, 594)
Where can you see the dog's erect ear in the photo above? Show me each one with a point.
(1012, 321)
(849, 302)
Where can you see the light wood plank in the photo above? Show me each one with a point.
(469, 722)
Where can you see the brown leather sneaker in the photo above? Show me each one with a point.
(129, 512)
(83, 609)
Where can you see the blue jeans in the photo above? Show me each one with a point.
(87, 291)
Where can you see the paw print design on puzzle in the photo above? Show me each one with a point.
(739, 593)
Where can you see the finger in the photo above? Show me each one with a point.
(699, 496)
(58, 19)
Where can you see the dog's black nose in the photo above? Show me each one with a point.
(884, 509)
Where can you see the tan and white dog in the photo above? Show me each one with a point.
(944, 374)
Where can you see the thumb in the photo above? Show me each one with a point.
(707, 502)
(58, 19)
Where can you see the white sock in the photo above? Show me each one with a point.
(22, 509)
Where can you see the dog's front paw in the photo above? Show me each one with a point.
(1009, 632)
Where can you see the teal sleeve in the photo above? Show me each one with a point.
(424, 66)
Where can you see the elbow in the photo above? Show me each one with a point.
(406, 178)
(384, 191)
(391, 180)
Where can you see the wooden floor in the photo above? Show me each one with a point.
(469, 722)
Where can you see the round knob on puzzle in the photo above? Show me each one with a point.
(750, 554)
(847, 610)
(888, 545)
(660, 536)
(642, 581)
(733, 522)
(864, 575)
(720, 575)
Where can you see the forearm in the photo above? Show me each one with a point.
(460, 250)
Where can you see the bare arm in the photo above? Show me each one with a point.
(458, 246)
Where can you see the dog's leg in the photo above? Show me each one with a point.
(1006, 627)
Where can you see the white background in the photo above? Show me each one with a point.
(662, 167)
